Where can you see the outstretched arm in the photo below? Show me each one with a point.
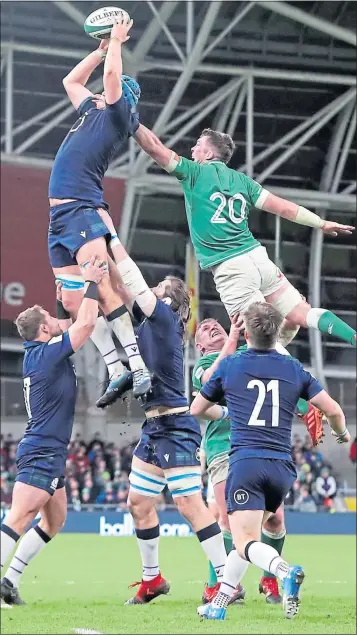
(301, 215)
(152, 145)
(76, 80)
(113, 65)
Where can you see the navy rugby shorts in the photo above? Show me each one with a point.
(44, 470)
(72, 225)
(170, 441)
(258, 483)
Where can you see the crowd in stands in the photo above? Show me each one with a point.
(97, 474)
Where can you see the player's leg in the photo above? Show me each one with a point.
(27, 500)
(273, 533)
(53, 516)
(279, 292)
(67, 271)
(255, 490)
(238, 283)
(80, 231)
(117, 315)
(72, 294)
(212, 583)
(178, 449)
(146, 482)
(218, 472)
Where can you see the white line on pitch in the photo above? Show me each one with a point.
(86, 631)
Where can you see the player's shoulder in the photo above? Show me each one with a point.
(204, 362)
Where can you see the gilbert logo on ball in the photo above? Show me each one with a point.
(100, 23)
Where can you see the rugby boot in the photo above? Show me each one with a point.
(141, 383)
(118, 385)
(209, 612)
(210, 593)
(9, 594)
(149, 590)
(269, 587)
(238, 596)
(291, 590)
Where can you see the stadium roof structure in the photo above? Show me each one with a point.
(278, 76)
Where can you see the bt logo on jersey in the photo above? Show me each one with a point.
(241, 497)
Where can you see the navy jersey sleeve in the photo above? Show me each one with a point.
(86, 105)
(56, 350)
(122, 117)
(310, 385)
(213, 388)
(163, 315)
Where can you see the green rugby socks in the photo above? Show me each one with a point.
(327, 322)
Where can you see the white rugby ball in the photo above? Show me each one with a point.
(100, 23)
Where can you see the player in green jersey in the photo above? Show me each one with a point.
(218, 201)
(214, 344)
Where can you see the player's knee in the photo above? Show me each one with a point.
(139, 506)
(275, 523)
(189, 506)
(298, 315)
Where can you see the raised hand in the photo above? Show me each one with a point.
(120, 31)
(333, 229)
(95, 270)
(237, 324)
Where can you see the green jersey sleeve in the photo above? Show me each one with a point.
(253, 188)
(198, 371)
(186, 171)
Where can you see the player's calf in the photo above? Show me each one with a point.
(206, 528)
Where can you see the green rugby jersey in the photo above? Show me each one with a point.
(217, 436)
(218, 201)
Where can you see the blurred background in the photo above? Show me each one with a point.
(280, 78)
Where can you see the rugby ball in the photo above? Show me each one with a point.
(100, 23)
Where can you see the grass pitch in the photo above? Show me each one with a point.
(81, 582)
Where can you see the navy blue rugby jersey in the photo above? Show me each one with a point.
(261, 389)
(50, 389)
(160, 341)
(85, 153)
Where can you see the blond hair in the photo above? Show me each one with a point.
(29, 321)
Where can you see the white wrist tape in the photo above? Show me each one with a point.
(225, 414)
(173, 163)
(133, 279)
(305, 217)
(114, 240)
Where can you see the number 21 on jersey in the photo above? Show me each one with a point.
(273, 387)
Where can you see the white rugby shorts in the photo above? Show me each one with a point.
(249, 278)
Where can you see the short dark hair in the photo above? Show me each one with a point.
(262, 324)
(29, 321)
(222, 143)
(180, 297)
(202, 323)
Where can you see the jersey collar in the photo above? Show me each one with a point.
(31, 344)
(216, 161)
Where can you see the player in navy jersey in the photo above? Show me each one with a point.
(75, 193)
(50, 389)
(261, 388)
(214, 344)
(168, 450)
